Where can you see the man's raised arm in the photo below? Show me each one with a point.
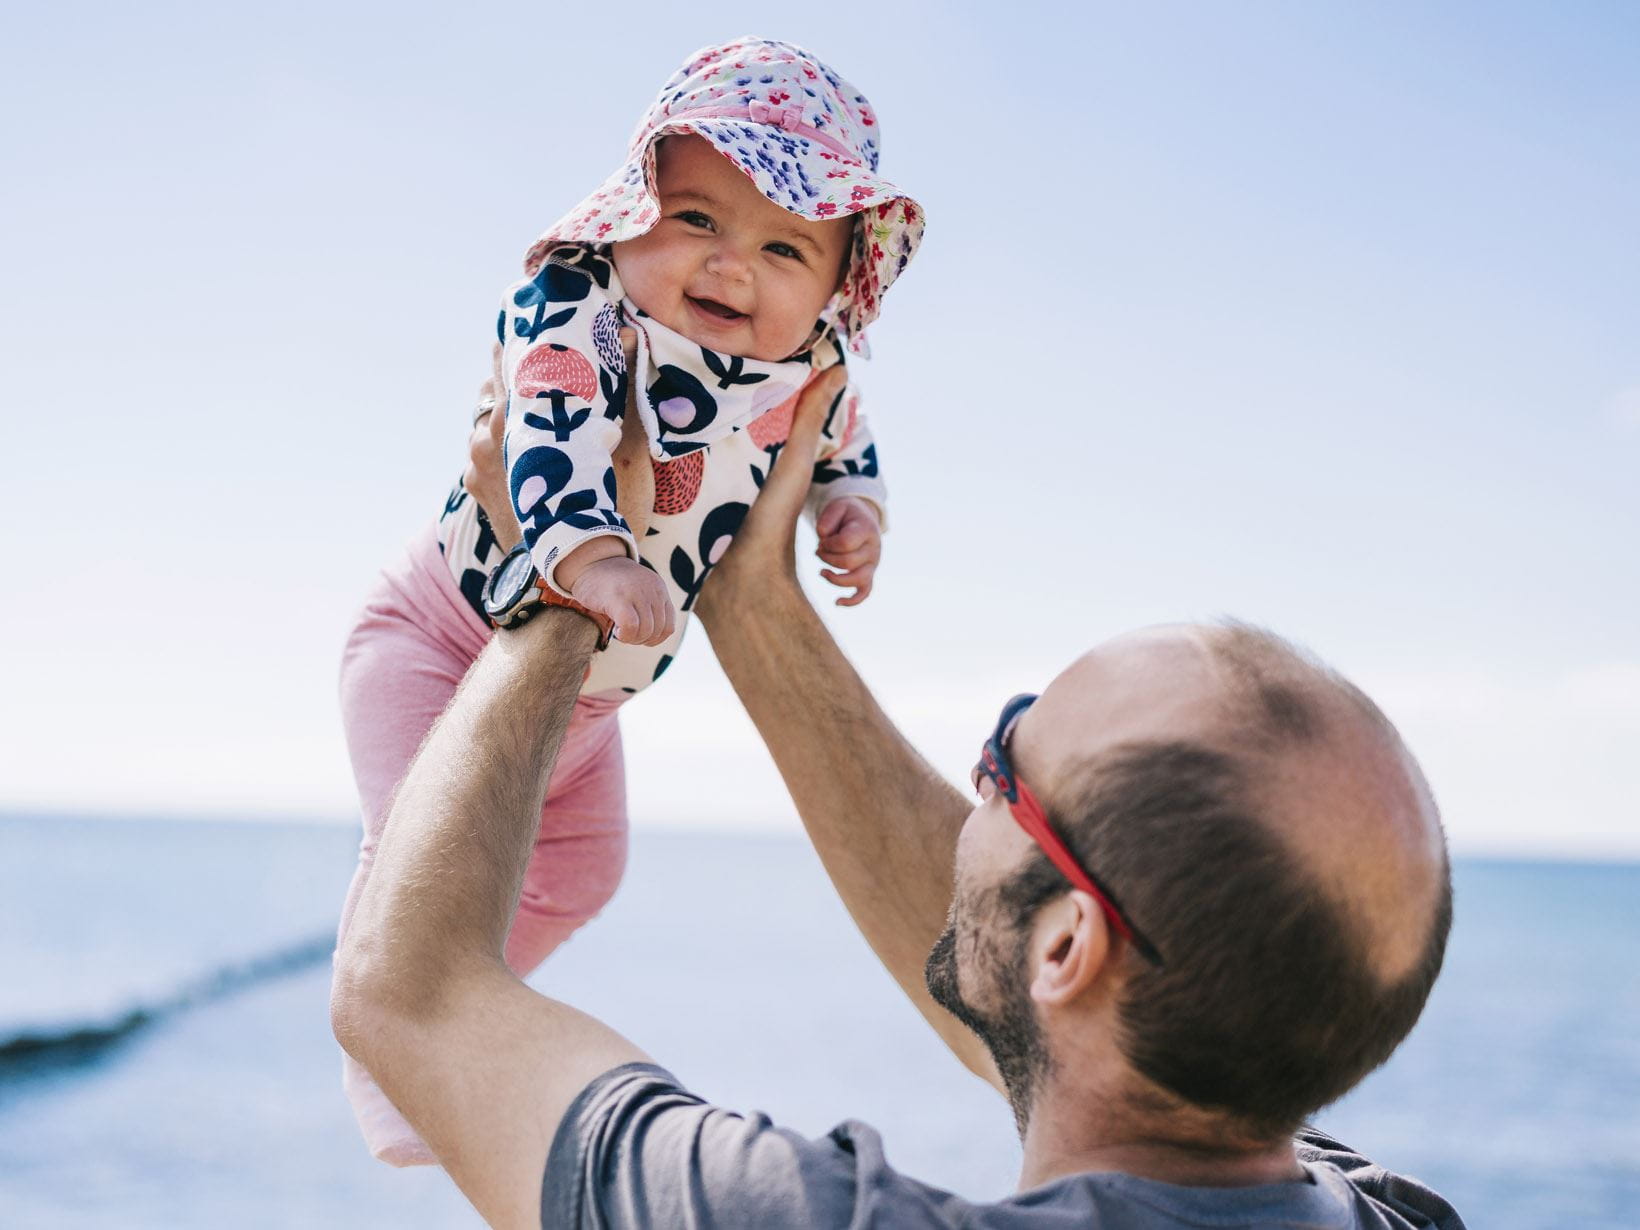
(482, 1066)
(884, 823)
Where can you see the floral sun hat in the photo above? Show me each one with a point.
(799, 131)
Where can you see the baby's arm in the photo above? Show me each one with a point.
(851, 542)
(566, 385)
(847, 499)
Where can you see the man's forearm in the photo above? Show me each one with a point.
(447, 875)
(884, 823)
(482, 1066)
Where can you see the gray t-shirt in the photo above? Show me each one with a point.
(638, 1150)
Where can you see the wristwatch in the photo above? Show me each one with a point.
(516, 591)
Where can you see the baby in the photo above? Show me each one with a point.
(744, 243)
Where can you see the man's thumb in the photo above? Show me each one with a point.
(794, 468)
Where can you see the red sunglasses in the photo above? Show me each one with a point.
(994, 764)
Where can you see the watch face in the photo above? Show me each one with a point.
(511, 581)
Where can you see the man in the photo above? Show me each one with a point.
(1205, 891)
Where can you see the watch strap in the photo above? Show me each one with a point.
(551, 597)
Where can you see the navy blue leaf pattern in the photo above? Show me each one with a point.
(562, 425)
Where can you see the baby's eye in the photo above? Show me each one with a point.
(693, 217)
(783, 249)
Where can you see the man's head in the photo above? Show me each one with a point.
(1263, 826)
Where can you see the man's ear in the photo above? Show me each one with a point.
(1070, 946)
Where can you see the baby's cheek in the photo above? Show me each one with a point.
(649, 275)
(779, 334)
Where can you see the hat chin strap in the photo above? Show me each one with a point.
(827, 323)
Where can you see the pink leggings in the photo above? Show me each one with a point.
(412, 645)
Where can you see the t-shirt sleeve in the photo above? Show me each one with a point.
(566, 396)
(637, 1150)
(1420, 1205)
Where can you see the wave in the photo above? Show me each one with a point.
(28, 1051)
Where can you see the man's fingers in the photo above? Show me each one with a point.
(496, 421)
(788, 484)
(498, 390)
(484, 477)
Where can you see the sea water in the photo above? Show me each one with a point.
(166, 1058)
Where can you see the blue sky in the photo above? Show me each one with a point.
(1323, 316)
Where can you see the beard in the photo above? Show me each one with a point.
(1010, 1031)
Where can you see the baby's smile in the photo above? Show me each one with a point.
(711, 307)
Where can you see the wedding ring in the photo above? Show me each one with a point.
(485, 405)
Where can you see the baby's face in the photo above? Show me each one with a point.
(725, 266)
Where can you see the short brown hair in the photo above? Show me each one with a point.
(1269, 1006)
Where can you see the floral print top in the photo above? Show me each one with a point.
(715, 424)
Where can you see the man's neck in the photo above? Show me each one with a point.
(1064, 1138)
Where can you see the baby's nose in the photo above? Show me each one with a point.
(726, 260)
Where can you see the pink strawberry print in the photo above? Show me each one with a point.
(677, 482)
(551, 368)
(773, 426)
(853, 408)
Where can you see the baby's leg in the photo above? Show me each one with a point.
(402, 664)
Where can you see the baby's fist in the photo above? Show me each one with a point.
(630, 594)
(851, 541)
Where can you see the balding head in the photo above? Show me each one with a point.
(1339, 788)
(1262, 823)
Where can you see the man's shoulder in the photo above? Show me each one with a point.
(637, 1149)
(1407, 1199)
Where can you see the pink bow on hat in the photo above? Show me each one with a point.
(788, 117)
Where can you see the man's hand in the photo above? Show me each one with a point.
(761, 562)
(485, 478)
(851, 541)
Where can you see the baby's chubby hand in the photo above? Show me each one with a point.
(602, 577)
(851, 541)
